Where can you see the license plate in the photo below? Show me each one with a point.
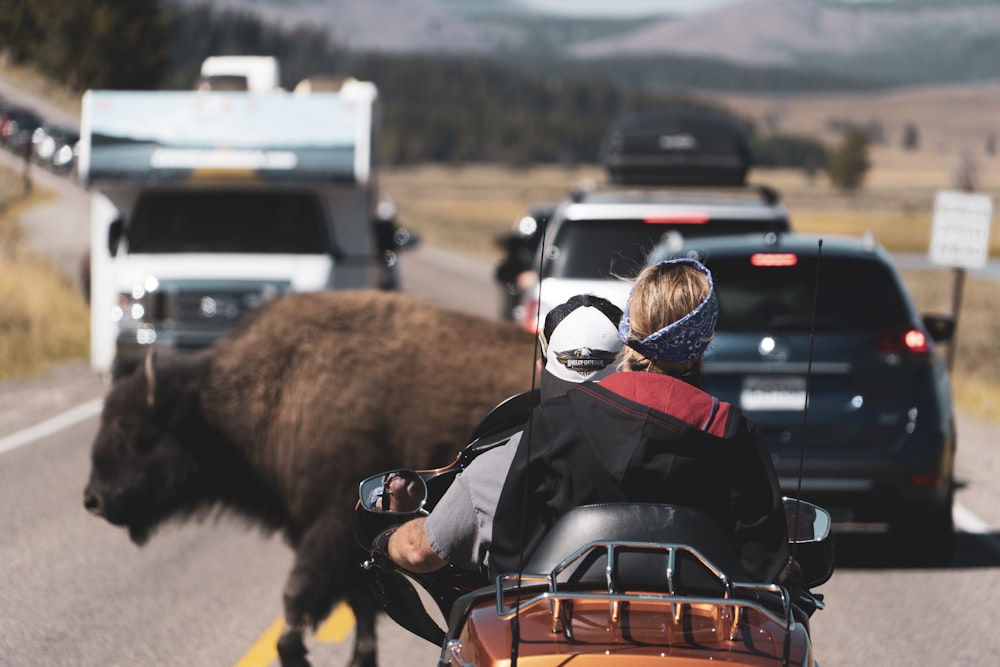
(773, 393)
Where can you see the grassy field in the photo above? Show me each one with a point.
(43, 318)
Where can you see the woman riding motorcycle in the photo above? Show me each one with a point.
(646, 434)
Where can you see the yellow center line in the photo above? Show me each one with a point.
(265, 650)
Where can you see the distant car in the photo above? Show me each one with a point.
(17, 125)
(598, 239)
(55, 146)
(877, 436)
(519, 248)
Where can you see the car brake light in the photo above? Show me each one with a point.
(683, 218)
(910, 341)
(774, 259)
(916, 341)
(924, 481)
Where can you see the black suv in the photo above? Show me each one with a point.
(877, 440)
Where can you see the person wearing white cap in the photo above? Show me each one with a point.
(648, 434)
(579, 343)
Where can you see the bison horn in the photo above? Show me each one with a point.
(150, 379)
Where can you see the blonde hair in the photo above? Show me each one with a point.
(663, 294)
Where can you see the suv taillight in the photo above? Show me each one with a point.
(681, 218)
(913, 343)
(774, 259)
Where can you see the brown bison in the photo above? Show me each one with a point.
(282, 419)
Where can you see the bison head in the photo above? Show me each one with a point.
(141, 473)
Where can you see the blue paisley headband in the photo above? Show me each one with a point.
(686, 339)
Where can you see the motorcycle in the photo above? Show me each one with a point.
(625, 583)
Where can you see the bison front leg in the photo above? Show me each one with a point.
(325, 571)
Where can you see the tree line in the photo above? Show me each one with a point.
(435, 107)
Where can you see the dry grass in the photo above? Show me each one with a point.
(43, 319)
(949, 118)
(468, 207)
(30, 80)
(976, 375)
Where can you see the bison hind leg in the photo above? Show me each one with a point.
(363, 605)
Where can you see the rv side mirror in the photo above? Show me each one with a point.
(115, 230)
(400, 491)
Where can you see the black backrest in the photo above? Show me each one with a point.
(640, 569)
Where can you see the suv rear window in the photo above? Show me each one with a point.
(603, 249)
(855, 294)
(228, 222)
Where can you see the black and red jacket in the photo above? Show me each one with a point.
(642, 437)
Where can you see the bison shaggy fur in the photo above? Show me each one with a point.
(284, 416)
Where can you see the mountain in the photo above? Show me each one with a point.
(858, 44)
(778, 32)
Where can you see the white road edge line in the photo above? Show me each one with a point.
(52, 425)
(972, 524)
(969, 522)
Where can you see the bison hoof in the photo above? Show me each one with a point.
(292, 653)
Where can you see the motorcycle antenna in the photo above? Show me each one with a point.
(809, 364)
(794, 529)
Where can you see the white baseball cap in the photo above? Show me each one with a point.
(579, 343)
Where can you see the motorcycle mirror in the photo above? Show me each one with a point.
(400, 491)
(806, 522)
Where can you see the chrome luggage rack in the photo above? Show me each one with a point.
(735, 595)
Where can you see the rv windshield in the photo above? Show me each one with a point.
(228, 222)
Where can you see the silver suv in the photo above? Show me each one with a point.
(597, 240)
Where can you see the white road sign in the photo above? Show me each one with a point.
(960, 235)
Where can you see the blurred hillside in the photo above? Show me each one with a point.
(753, 44)
(534, 104)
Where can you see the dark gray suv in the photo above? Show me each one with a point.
(877, 441)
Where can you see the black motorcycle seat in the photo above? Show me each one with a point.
(639, 569)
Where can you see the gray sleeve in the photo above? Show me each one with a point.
(460, 527)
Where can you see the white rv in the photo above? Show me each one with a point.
(206, 204)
